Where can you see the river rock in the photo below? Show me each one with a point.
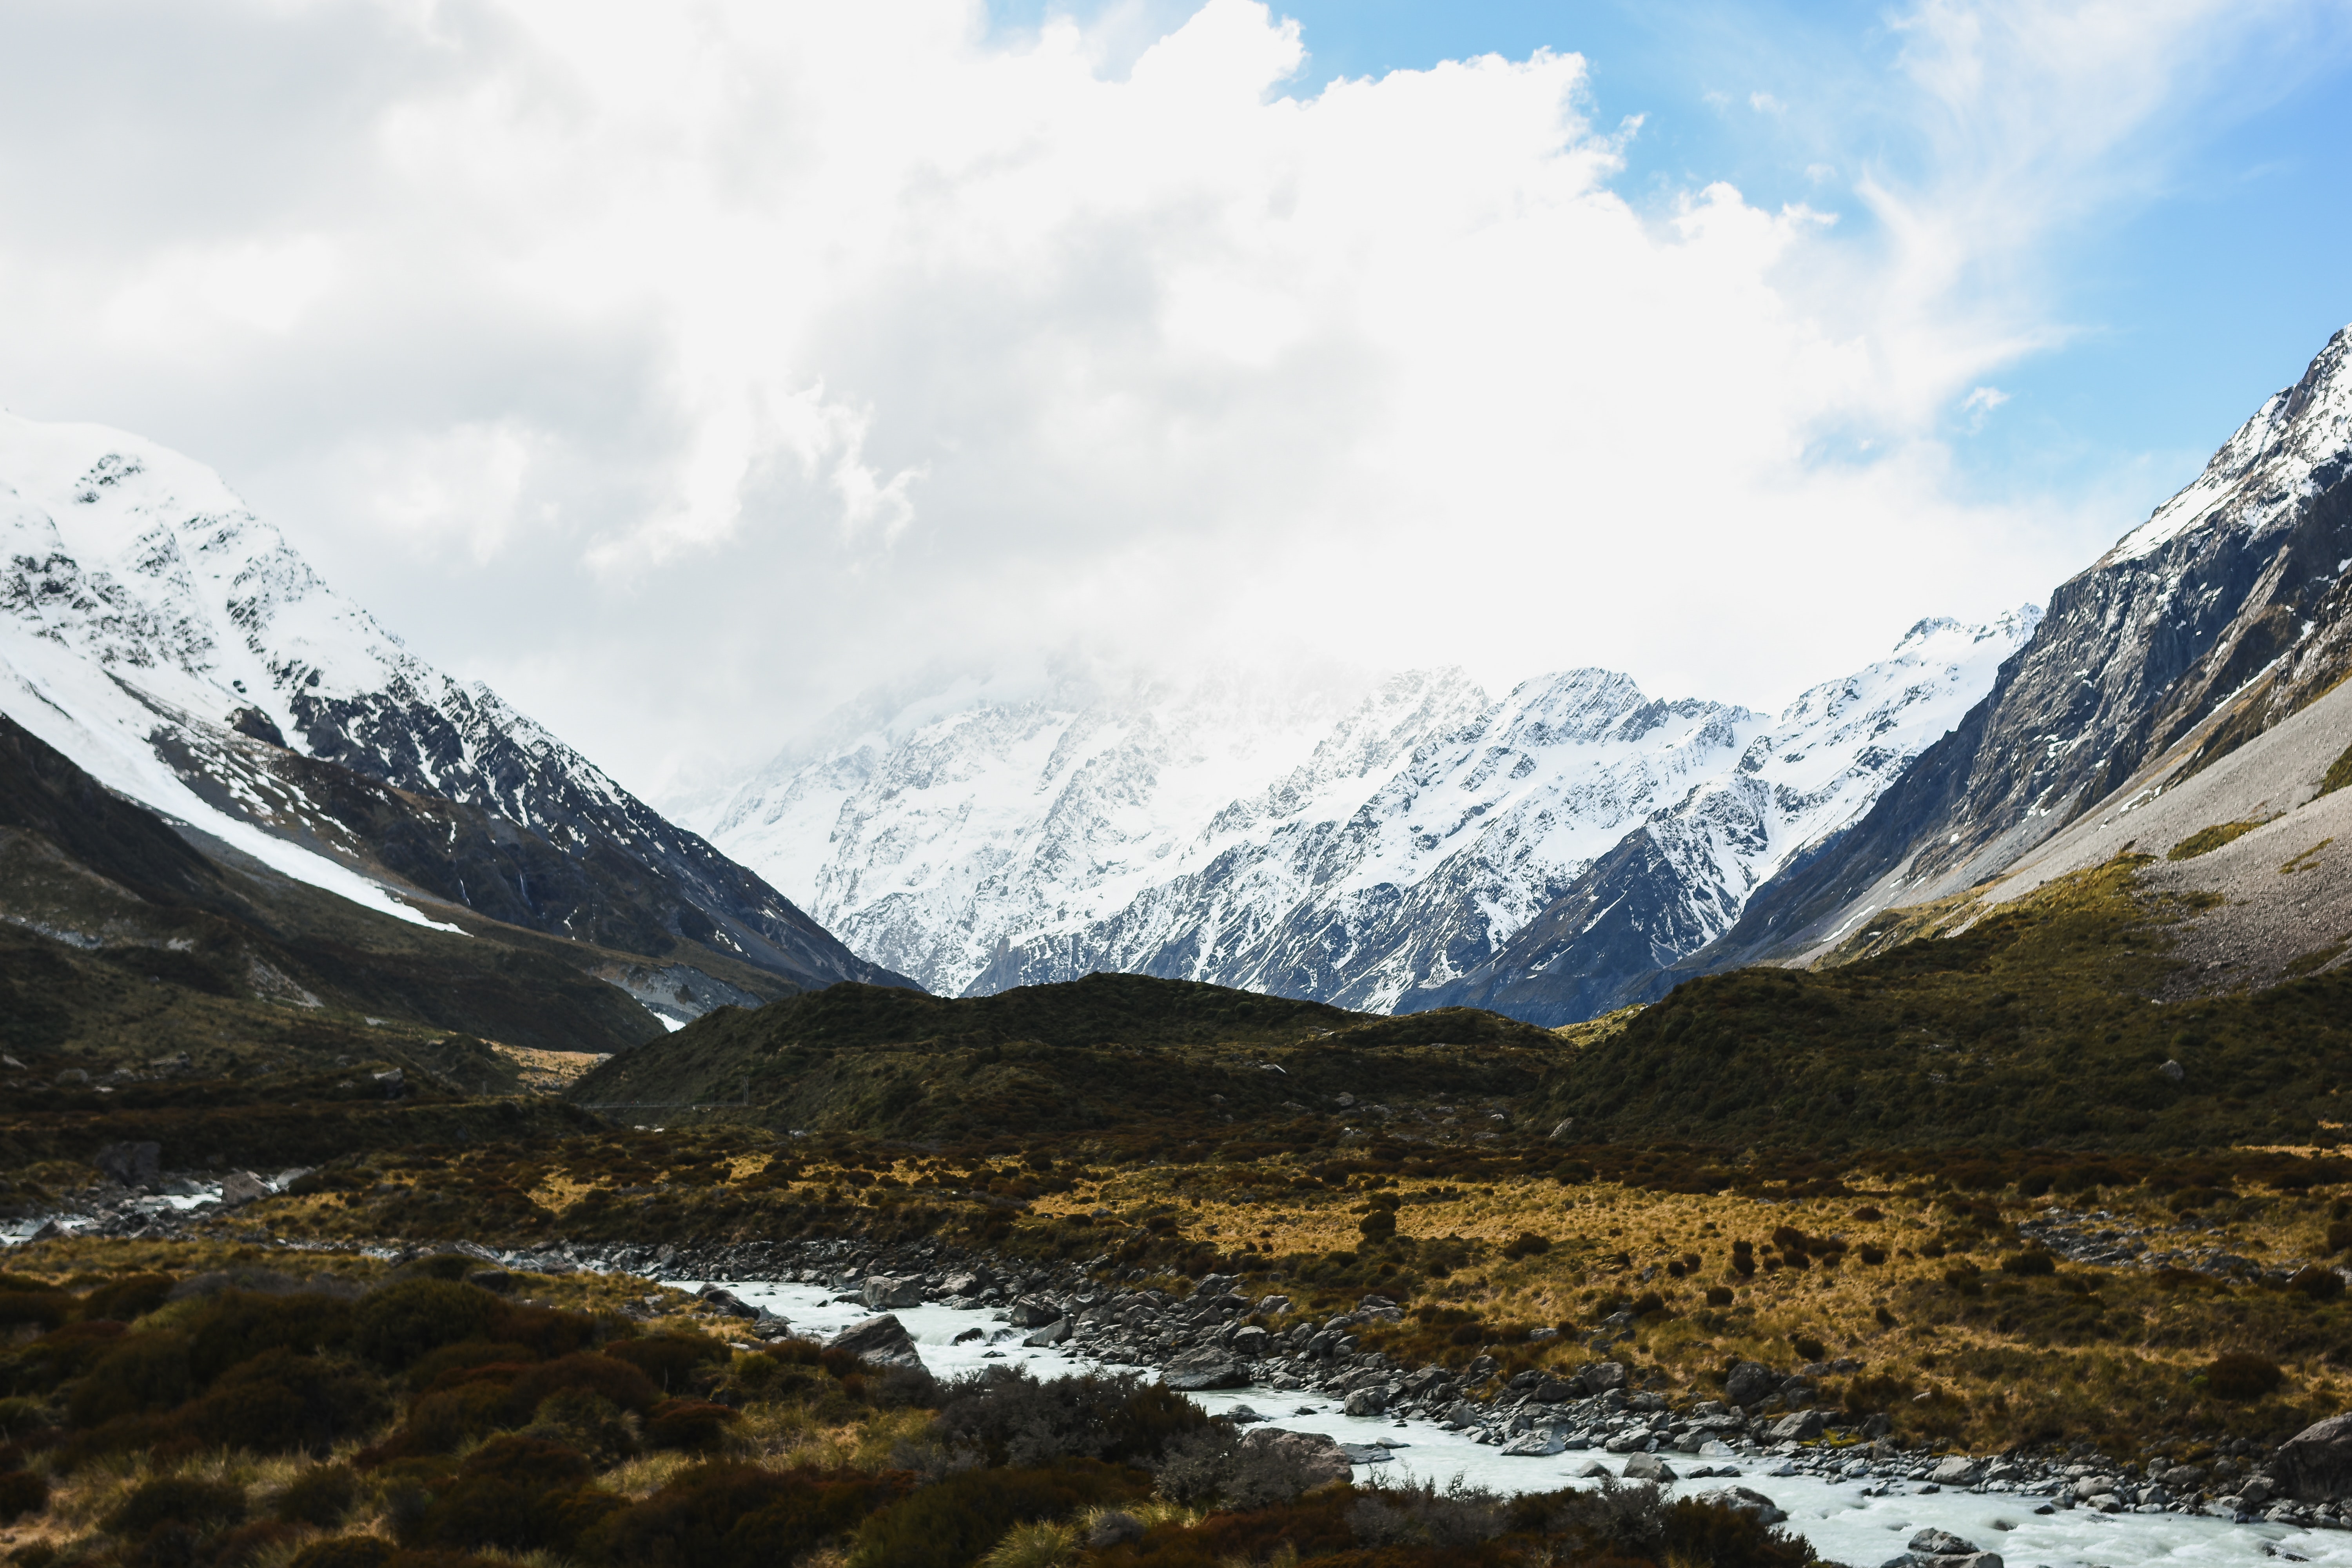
(720, 1298)
(1249, 1341)
(1211, 1366)
(1747, 1502)
(1321, 1458)
(1366, 1402)
(1956, 1470)
(1029, 1313)
(1648, 1468)
(1053, 1333)
(242, 1187)
(1798, 1426)
(883, 1339)
(1601, 1376)
(1540, 1444)
(1749, 1382)
(880, 1292)
(2316, 1464)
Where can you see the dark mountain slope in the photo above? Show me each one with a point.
(94, 888)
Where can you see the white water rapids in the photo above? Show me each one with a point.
(1841, 1523)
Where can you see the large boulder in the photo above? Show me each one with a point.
(1032, 1312)
(1648, 1468)
(1956, 1470)
(1368, 1401)
(881, 1292)
(1747, 1502)
(1601, 1376)
(884, 1340)
(1798, 1426)
(1319, 1456)
(1750, 1382)
(2316, 1464)
(1053, 1333)
(1211, 1366)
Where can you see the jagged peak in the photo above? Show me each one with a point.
(2297, 441)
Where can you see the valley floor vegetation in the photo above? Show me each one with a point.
(1991, 1187)
(189, 1403)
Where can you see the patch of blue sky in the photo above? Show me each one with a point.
(2198, 271)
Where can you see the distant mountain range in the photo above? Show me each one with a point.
(171, 644)
(1571, 847)
(1381, 855)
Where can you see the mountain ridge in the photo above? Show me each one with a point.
(156, 631)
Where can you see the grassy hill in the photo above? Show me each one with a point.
(2038, 1024)
(1108, 1051)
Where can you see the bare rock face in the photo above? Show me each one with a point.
(2316, 1464)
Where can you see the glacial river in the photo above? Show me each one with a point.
(1841, 1522)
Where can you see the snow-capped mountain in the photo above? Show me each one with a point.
(176, 645)
(1383, 854)
(2227, 611)
(1681, 879)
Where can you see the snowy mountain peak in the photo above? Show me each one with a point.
(2298, 443)
(177, 647)
(1369, 852)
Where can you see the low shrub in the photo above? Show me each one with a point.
(675, 1362)
(516, 1494)
(399, 1324)
(46, 1308)
(322, 1496)
(1527, 1244)
(2239, 1377)
(953, 1522)
(688, 1426)
(280, 1403)
(345, 1551)
(2031, 1261)
(738, 1515)
(177, 1500)
(22, 1492)
(128, 1299)
(2319, 1284)
(237, 1325)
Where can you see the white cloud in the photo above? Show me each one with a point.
(683, 370)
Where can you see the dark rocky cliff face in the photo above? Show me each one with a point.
(490, 812)
(2231, 603)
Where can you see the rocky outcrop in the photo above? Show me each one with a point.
(2316, 1464)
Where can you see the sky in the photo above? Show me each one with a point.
(685, 371)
